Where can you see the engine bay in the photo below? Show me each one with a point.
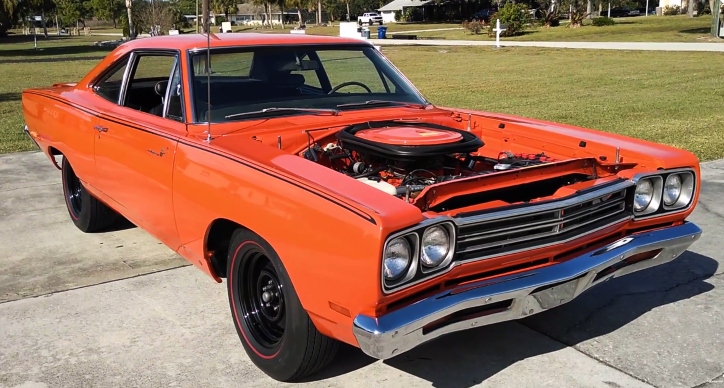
(403, 158)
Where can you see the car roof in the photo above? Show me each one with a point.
(185, 42)
(193, 41)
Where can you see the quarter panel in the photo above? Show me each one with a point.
(54, 122)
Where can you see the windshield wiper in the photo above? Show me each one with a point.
(381, 103)
(282, 111)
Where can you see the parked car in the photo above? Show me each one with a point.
(621, 12)
(484, 14)
(370, 18)
(339, 204)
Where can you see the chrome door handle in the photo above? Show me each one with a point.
(100, 129)
(160, 153)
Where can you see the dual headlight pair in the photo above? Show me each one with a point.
(663, 192)
(416, 254)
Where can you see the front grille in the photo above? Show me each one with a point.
(533, 226)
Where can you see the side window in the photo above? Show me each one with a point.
(174, 109)
(344, 66)
(109, 87)
(148, 83)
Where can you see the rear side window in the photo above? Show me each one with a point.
(226, 64)
(109, 86)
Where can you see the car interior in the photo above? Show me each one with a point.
(275, 76)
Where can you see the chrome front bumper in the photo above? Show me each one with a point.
(515, 296)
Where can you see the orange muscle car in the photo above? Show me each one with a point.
(339, 204)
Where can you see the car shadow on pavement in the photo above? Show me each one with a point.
(464, 359)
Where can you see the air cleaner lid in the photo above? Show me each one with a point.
(409, 136)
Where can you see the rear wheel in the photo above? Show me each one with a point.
(274, 328)
(88, 213)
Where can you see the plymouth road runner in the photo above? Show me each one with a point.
(339, 204)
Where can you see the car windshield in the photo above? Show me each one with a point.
(269, 81)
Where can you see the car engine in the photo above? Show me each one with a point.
(402, 158)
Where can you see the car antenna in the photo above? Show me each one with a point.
(208, 69)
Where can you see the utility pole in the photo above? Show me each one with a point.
(197, 16)
(206, 16)
(715, 18)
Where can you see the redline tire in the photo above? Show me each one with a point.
(282, 342)
(87, 213)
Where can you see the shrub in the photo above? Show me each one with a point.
(516, 16)
(603, 21)
(672, 10)
(475, 27)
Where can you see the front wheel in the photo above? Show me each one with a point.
(274, 328)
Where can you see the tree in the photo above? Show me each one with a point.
(107, 9)
(578, 11)
(73, 11)
(550, 12)
(300, 5)
(131, 27)
(224, 6)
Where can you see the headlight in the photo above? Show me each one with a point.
(672, 189)
(678, 190)
(397, 258)
(659, 193)
(435, 246)
(644, 194)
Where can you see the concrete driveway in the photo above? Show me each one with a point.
(120, 310)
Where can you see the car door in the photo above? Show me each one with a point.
(136, 142)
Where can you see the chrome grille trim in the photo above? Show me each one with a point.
(558, 218)
(529, 210)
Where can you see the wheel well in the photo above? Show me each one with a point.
(53, 152)
(217, 244)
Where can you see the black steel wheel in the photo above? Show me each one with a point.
(275, 330)
(87, 212)
(73, 192)
(262, 300)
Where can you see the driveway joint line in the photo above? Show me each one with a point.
(592, 357)
(96, 284)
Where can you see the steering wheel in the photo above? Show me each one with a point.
(343, 84)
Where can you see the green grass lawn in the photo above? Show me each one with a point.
(334, 30)
(668, 97)
(680, 28)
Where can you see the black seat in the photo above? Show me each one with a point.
(160, 90)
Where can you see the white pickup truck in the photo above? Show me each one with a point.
(370, 18)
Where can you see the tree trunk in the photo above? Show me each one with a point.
(690, 11)
(299, 15)
(131, 31)
(348, 9)
(589, 8)
(711, 7)
(45, 26)
(319, 12)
